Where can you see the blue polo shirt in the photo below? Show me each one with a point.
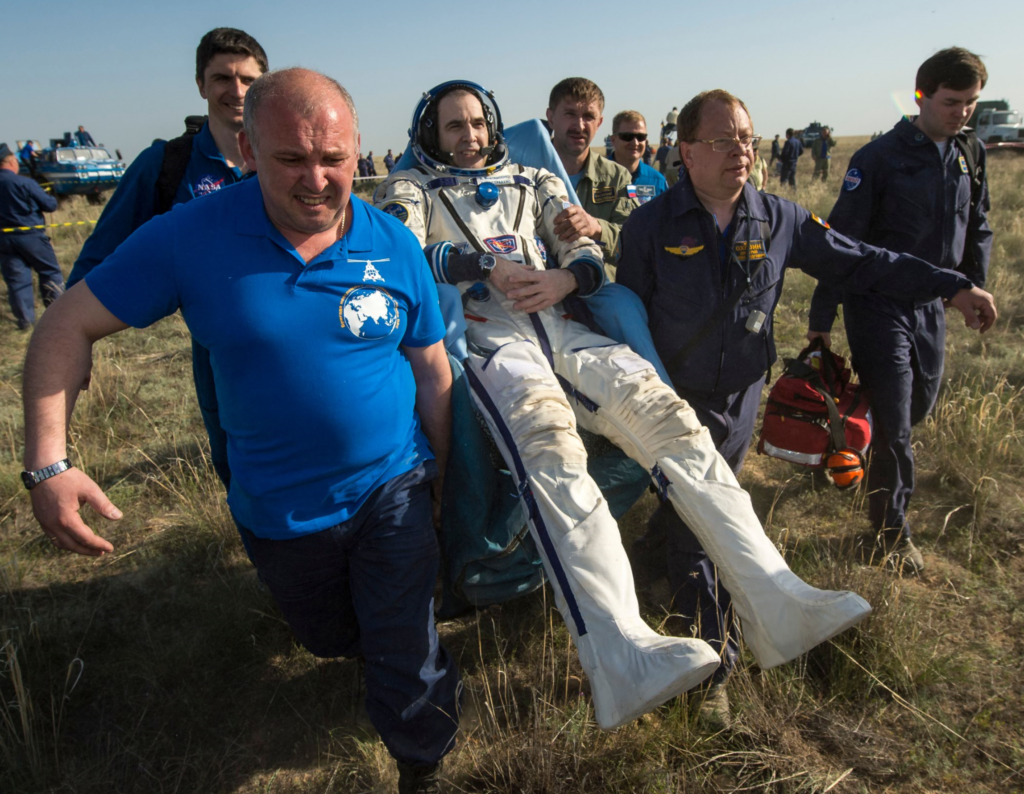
(134, 201)
(316, 397)
(649, 182)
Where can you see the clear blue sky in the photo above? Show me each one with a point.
(126, 70)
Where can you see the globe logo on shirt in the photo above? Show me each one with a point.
(368, 312)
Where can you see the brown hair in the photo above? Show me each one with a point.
(227, 41)
(955, 68)
(578, 89)
(689, 116)
(626, 116)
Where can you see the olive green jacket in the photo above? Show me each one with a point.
(602, 192)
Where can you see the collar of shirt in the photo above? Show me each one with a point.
(684, 199)
(252, 221)
(910, 134)
(207, 147)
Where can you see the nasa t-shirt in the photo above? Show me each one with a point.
(316, 397)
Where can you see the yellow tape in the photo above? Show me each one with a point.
(45, 226)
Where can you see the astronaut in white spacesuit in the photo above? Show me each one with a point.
(493, 228)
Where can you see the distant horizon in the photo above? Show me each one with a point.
(126, 72)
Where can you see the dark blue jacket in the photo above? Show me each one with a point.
(134, 201)
(23, 202)
(899, 194)
(682, 288)
(791, 150)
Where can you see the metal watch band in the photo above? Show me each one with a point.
(32, 478)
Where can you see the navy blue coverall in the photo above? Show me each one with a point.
(134, 203)
(901, 194)
(683, 268)
(791, 152)
(22, 203)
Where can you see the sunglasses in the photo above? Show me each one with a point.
(629, 137)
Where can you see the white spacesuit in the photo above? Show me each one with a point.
(536, 377)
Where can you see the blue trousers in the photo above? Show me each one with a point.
(897, 349)
(693, 579)
(20, 254)
(365, 588)
(788, 173)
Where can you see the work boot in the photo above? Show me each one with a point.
(900, 554)
(712, 704)
(419, 779)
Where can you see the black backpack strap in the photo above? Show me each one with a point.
(172, 170)
(970, 148)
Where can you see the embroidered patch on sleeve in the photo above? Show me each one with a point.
(397, 209)
(819, 221)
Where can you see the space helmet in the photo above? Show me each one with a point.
(424, 133)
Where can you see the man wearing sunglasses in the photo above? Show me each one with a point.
(707, 258)
(629, 142)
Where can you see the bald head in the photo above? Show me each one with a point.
(301, 91)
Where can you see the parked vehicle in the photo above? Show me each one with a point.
(811, 133)
(998, 126)
(75, 170)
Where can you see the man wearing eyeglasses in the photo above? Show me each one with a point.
(629, 142)
(707, 258)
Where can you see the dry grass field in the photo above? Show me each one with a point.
(165, 668)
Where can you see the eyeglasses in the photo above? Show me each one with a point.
(629, 137)
(723, 145)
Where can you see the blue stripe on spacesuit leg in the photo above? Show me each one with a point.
(530, 501)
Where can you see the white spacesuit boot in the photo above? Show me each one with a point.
(622, 398)
(631, 668)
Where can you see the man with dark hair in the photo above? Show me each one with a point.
(302, 293)
(389, 161)
(918, 189)
(228, 61)
(23, 246)
(776, 151)
(707, 259)
(629, 144)
(83, 137)
(791, 151)
(575, 112)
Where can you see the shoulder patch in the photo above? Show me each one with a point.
(852, 179)
(963, 164)
(631, 191)
(397, 209)
(819, 221)
(603, 194)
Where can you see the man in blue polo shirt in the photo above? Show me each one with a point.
(320, 314)
(629, 141)
(227, 63)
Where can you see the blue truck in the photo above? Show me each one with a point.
(71, 170)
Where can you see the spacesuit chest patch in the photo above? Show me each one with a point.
(603, 194)
(397, 209)
(505, 244)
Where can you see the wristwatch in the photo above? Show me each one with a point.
(486, 262)
(32, 478)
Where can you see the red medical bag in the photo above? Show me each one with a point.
(814, 410)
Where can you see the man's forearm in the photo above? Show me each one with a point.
(56, 368)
